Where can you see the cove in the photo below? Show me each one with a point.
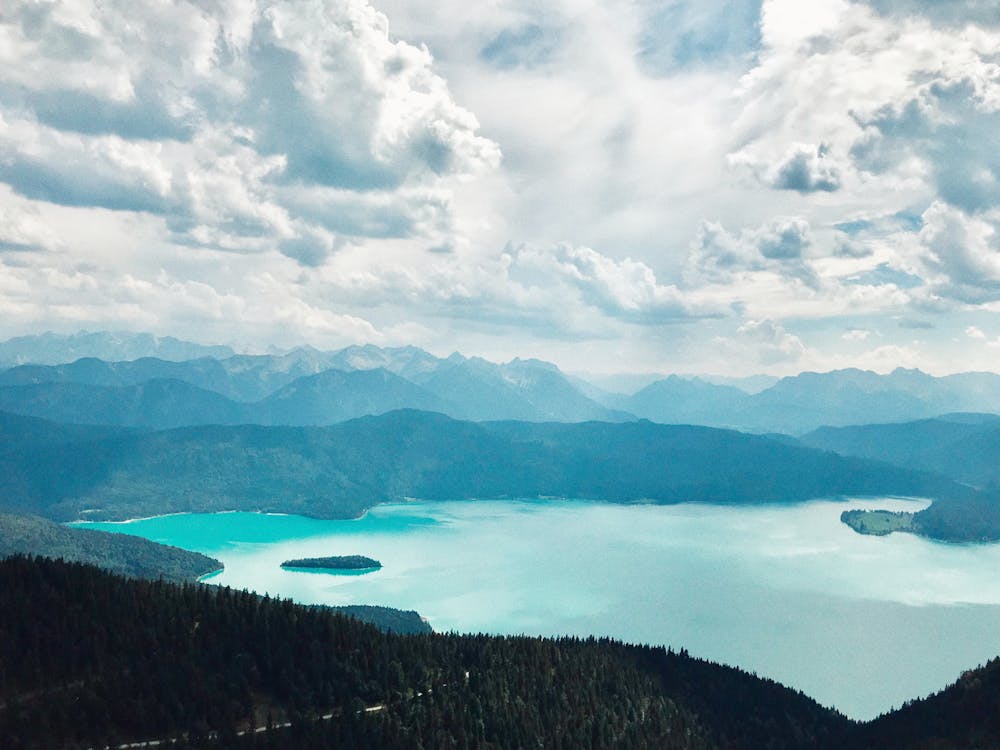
(859, 623)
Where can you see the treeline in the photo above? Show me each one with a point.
(89, 659)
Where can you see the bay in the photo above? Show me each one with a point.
(859, 623)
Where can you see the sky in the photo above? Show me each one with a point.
(713, 186)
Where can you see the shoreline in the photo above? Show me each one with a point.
(80, 521)
(546, 498)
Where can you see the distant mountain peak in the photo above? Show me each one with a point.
(51, 348)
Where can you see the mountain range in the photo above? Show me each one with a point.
(55, 348)
(309, 387)
(300, 388)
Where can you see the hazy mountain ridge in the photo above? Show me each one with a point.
(476, 389)
(810, 400)
(963, 447)
(300, 388)
(54, 348)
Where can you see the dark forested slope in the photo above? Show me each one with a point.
(130, 660)
(119, 553)
(90, 660)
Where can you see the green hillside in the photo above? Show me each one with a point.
(119, 553)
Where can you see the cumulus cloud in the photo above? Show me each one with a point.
(625, 289)
(807, 169)
(224, 118)
(764, 341)
(963, 254)
(777, 246)
(910, 103)
(804, 168)
(946, 124)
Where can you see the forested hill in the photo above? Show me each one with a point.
(135, 660)
(119, 553)
(341, 470)
(94, 660)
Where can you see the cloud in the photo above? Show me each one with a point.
(22, 229)
(765, 342)
(777, 247)
(804, 168)
(963, 254)
(847, 246)
(783, 239)
(910, 104)
(947, 124)
(223, 118)
(974, 333)
(624, 289)
(856, 334)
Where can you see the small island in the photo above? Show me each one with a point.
(344, 562)
(879, 522)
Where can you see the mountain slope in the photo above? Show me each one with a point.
(340, 470)
(963, 447)
(335, 396)
(521, 389)
(676, 400)
(963, 715)
(156, 404)
(227, 663)
(130, 661)
(810, 400)
(119, 553)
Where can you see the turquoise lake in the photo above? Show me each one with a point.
(859, 623)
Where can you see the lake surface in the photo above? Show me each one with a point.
(859, 623)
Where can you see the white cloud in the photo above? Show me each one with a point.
(22, 228)
(963, 254)
(974, 333)
(626, 289)
(778, 246)
(224, 118)
(764, 342)
(856, 334)
(804, 168)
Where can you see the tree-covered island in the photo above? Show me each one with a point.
(343, 562)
